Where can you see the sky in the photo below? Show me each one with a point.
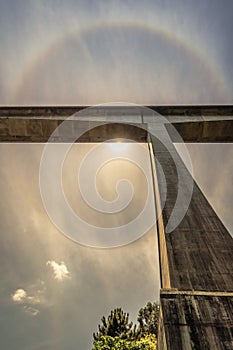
(90, 52)
(54, 291)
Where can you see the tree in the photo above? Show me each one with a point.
(116, 325)
(148, 318)
(148, 342)
(117, 333)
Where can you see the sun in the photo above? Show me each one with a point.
(118, 145)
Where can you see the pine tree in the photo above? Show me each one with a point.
(116, 325)
(148, 318)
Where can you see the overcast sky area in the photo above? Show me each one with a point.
(88, 52)
(53, 291)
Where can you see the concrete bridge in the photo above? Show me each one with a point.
(196, 257)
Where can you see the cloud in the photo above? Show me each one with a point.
(60, 270)
(21, 296)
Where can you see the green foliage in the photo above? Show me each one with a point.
(116, 325)
(148, 318)
(115, 343)
(148, 342)
(117, 333)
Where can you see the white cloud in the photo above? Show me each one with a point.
(60, 270)
(19, 296)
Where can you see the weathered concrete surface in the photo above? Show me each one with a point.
(194, 124)
(204, 131)
(200, 249)
(196, 321)
(199, 260)
(184, 110)
(40, 130)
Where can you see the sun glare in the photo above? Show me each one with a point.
(118, 145)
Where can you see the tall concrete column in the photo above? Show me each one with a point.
(197, 281)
